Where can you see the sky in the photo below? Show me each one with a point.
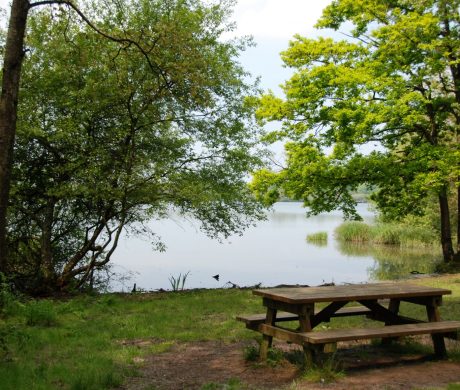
(272, 23)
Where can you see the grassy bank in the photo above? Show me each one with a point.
(403, 235)
(86, 342)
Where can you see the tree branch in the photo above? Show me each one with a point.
(126, 41)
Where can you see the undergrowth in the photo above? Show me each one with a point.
(98, 341)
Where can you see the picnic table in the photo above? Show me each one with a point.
(378, 301)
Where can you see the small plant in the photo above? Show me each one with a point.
(251, 353)
(329, 371)
(319, 238)
(40, 313)
(274, 356)
(177, 284)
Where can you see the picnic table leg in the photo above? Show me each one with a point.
(394, 308)
(267, 340)
(305, 316)
(438, 339)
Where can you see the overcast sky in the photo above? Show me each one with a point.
(273, 23)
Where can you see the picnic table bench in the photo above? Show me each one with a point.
(378, 301)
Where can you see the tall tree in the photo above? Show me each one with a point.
(12, 63)
(109, 138)
(396, 83)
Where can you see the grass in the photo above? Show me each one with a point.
(403, 235)
(88, 342)
(317, 238)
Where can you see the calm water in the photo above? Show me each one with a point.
(274, 252)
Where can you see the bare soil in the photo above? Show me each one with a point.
(194, 365)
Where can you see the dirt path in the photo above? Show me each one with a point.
(193, 365)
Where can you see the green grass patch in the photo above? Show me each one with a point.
(328, 372)
(96, 342)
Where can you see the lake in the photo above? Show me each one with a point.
(274, 252)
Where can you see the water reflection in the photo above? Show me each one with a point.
(393, 262)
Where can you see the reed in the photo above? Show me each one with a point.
(403, 235)
(353, 231)
(315, 238)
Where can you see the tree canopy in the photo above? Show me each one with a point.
(110, 136)
(380, 107)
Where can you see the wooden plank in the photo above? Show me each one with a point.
(282, 334)
(387, 331)
(335, 335)
(283, 306)
(302, 295)
(325, 314)
(256, 319)
(381, 313)
(260, 318)
(351, 311)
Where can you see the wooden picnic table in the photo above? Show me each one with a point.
(298, 304)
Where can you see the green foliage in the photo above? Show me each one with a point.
(251, 353)
(40, 313)
(8, 300)
(274, 356)
(394, 86)
(111, 135)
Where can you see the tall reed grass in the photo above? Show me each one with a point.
(403, 235)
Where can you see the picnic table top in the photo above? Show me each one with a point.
(349, 292)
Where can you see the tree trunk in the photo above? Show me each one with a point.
(457, 255)
(12, 62)
(47, 264)
(446, 235)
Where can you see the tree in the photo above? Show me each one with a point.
(106, 140)
(394, 82)
(12, 63)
